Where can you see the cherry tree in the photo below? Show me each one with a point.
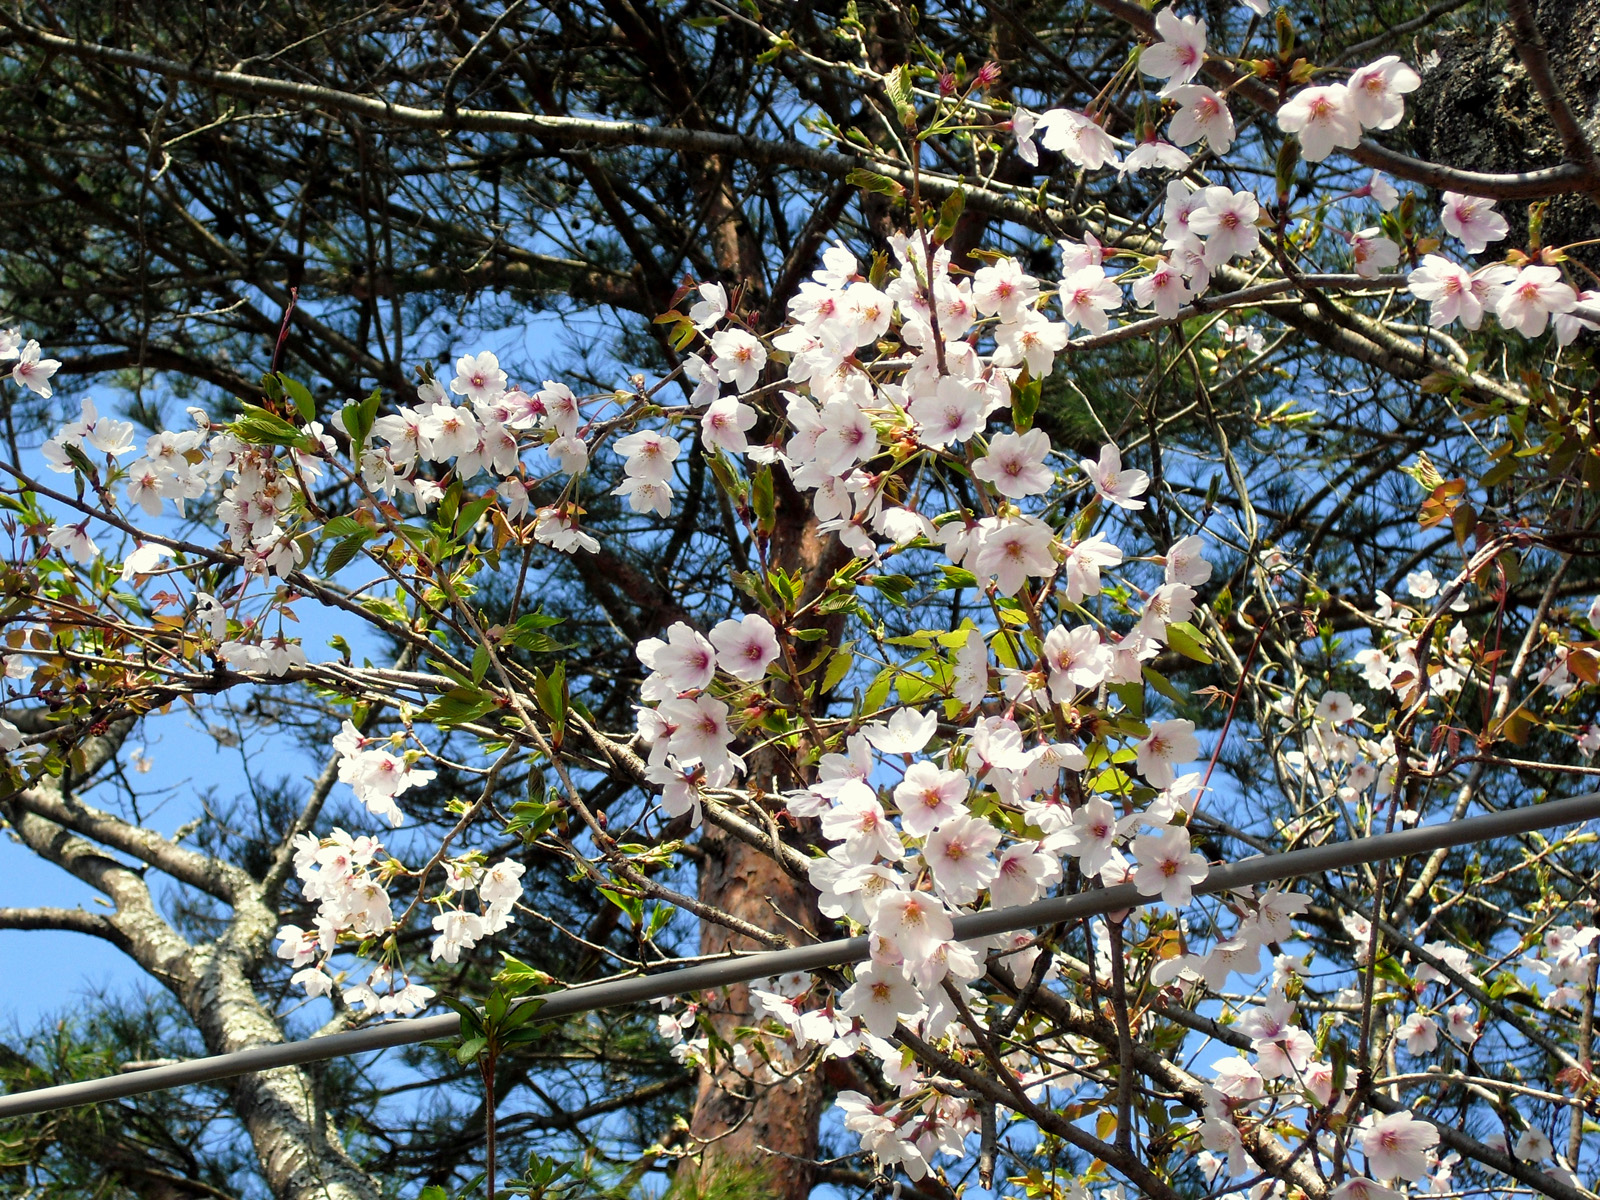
(961, 663)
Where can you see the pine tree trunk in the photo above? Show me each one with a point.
(769, 1124)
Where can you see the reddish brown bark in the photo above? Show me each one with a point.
(771, 1122)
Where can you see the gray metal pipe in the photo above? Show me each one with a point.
(742, 968)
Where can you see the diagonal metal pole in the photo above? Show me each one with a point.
(1266, 868)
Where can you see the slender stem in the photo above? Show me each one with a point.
(486, 1066)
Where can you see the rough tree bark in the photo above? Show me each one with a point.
(768, 1123)
(1477, 109)
(301, 1157)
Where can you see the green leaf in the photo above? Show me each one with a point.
(761, 499)
(342, 554)
(632, 905)
(550, 691)
(1025, 402)
(949, 215)
(878, 692)
(956, 577)
(457, 707)
(262, 428)
(1188, 641)
(838, 667)
(301, 395)
(871, 181)
(1162, 684)
(469, 516)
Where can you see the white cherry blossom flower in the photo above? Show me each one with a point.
(958, 851)
(725, 424)
(478, 378)
(1031, 339)
(1083, 561)
(1396, 1146)
(1004, 289)
(1162, 289)
(1092, 835)
(928, 795)
(745, 647)
(1115, 485)
(1022, 871)
(915, 924)
(1178, 56)
(1167, 866)
(1014, 550)
(1419, 1033)
(1323, 117)
(1228, 223)
(1473, 220)
(858, 820)
(686, 661)
(1076, 659)
(906, 732)
(74, 540)
(1016, 464)
(1204, 114)
(1528, 301)
(1086, 295)
(1533, 1146)
(737, 357)
(1377, 91)
(458, 930)
(1077, 137)
(710, 308)
(881, 997)
(33, 372)
(1371, 253)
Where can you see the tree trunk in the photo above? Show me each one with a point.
(1477, 110)
(301, 1157)
(769, 1124)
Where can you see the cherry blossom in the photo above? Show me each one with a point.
(1204, 114)
(34, 372)
(1015, 464)
(737, 358)
(1454, 293)
(744, 647)
(1168, 743)
(958, 852)
(928, 795)
(1163, 289)
(1178, 56)
(1473, 220)
(725, 424)
(1167, 867)
(881, 997)
(685, 661)
(1527, 301)
(1114, 484)
(906, 732)
(1086, 296)
(1227, 220)
(1324, 119)
(1396, 1146)
(1376, 92)
(1076, 137)
(478, 378)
